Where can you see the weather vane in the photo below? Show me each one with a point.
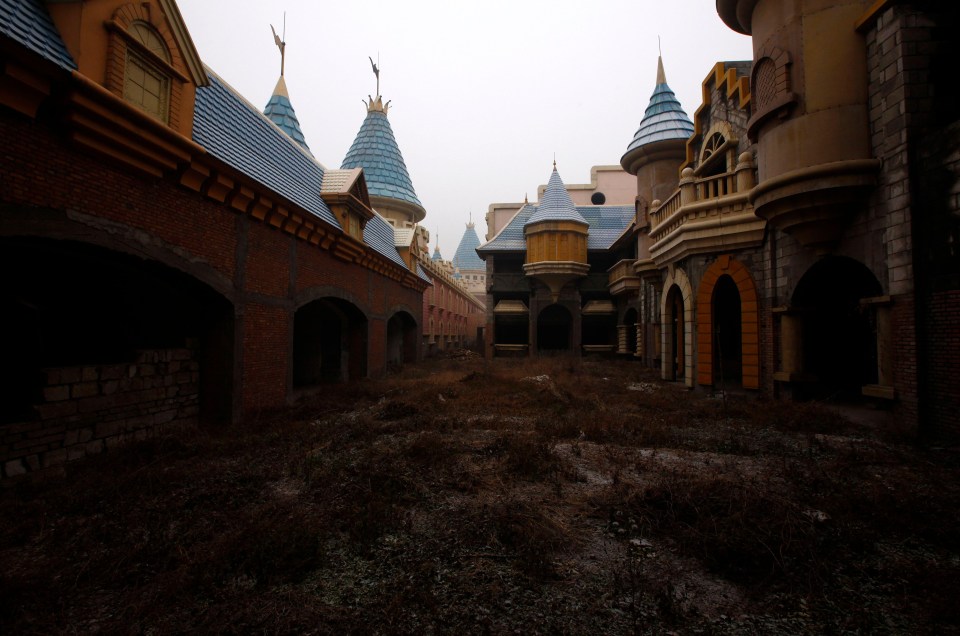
(376, 71)
(281, 42)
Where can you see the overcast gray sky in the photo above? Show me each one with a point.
(484, 93)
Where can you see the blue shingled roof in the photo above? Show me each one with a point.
(556, 204)
(436, 254)
(378, 234)
(280, 111)
(28, 23)
(231, 130)
(376, 151)
(607, 223)
(466, 257)
(664, 118)
(423, 275)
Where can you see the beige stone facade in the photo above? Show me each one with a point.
(802, 244)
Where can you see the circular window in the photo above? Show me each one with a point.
(598, 198)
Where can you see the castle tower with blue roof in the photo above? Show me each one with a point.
(658, 147)
(375, 150)
(467, 262)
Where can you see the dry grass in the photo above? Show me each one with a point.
(480, 497)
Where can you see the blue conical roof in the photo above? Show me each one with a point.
(466, 257)
(376, 151)
(555, 204)
(664, 118)
(280, 111)
(436, 254)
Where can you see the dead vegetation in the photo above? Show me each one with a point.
(477, 497)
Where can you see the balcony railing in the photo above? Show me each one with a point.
(705, 215)
(717, 186)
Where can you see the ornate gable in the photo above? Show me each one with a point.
(139, 51)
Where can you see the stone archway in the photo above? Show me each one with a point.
(724, 279)
(676, 334)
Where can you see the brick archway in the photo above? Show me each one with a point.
(749, 321)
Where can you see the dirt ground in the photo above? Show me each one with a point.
(468, 496)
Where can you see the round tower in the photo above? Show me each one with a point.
(810, 115)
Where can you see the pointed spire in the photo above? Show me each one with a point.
(556, 204)
(466, 258)
(375, 149)
(663, 121)
(279, 109)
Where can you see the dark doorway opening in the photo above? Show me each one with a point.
(630, 322)
(675, 336)
(553, 328)
(329, 343)
(401, 339)
(599, 329)
(839, 336)
(727, 333)
(71, 304)
(512, 329)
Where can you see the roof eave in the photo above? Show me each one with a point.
(632, 160)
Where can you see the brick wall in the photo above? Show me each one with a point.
(50, 189)
(91, 408)
(942, 390)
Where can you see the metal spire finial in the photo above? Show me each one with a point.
(281, 42)
(376, 71)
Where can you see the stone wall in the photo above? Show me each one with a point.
(87, 409)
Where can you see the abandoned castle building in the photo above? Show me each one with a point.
(798, 236)
(173, 254)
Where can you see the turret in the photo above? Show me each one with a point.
(556, 239)
(659, 145)
(375, 150)
(810, 116)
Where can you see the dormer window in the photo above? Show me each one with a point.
(145, 85)
(354, 228)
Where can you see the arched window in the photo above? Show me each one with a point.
(146, 86)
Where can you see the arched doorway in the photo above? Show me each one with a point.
(76, 314)
(401, 339)
(630, 332)
(727, 329)
(554, 326)
(728, 326)
(329, 342)
(839, 341)
(675, 354)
